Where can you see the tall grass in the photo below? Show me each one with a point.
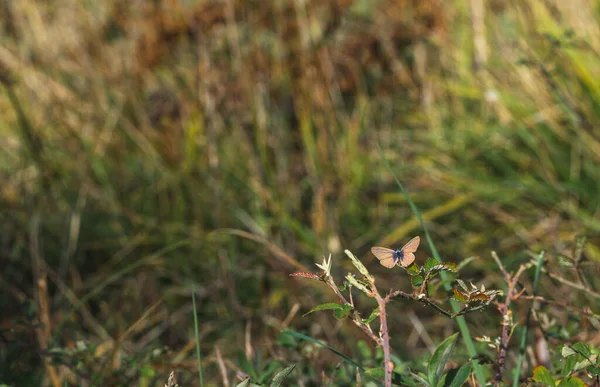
(162, 123)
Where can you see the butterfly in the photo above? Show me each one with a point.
(389, 258)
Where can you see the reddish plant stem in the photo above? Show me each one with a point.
(511, 281)
(385, 336)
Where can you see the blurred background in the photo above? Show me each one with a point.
(149, 148)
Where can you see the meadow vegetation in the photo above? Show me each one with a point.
(166, 165)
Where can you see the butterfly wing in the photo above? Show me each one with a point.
(407, 259)
(412, 245)
(385, 256)
(389, 263)
(407, 251)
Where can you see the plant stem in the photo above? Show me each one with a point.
(385, 337)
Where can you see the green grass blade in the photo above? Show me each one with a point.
(341, 355)
(523, 343)
(197, 334)
(460, 320)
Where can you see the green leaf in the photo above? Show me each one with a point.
(462, 285)
(246, 365)
(594, 371)
(327, 306)
(341, 314)
(429, 264)
(446, 266)
(379, 373)
(359, 266)
(245, 383)
(438, 360)
(571, 382)
(374, 314)
(266, 373)
(567, 351)
(417, 281)
(281, 375)
(413, 269)
(458, 377)
(341, 355)
(583, 349)
(459, 296)
(570, 362)
(542, 375)
(419, 377)
(360, 286)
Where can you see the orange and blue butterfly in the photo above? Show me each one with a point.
(390, 258)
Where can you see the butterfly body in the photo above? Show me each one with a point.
(404, 256)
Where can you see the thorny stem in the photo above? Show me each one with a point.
(511, 281)
(385, 336)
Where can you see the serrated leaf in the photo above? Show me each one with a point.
(458, 296)
(582, 348)
(457, 378)
(359, 266)
(582, 364)
(478, 297)
(570, 362)
(429, 264)
(327, 306)
(542, 375)
(281, 375)
(341, 314)
(413, 269)
(374, 314)
(572, 382)
(449, 266)
(594, 371)
(567, 351)
(245, 383)
(438, 360)
(416, 281)
(354, 282)
(462, 285)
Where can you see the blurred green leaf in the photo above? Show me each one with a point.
(417, 281)
(245, 383)
(342, 313)
(341, 355)
(542, 375)
(429, 264)
(329, 306)
(374, 314)
(437, 362)
(413, 269)
(572, 382)
(458, 377)
(397, 379)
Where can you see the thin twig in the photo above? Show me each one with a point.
(584, 312)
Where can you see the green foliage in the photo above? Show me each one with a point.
(225, 145)
(437, 362)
